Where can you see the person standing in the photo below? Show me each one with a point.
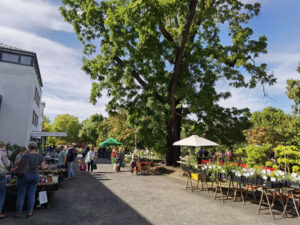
(4, 163)
(61, 158)
(90, 159)
(70, 160)
(26, 185)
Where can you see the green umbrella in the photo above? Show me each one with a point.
(110, 141)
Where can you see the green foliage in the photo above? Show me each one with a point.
(256, 155)
(66, 123)
(119, 128)
(46, 124)
(269, 117)
(151, 51)
(293, 93)
(91, 129)
(273, 126)
(288, 156)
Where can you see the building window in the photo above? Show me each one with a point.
(33, 117)
(26, 60)
(35, 91)
(9, 57)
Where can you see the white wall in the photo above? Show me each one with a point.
(17, 87)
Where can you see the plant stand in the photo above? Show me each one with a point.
(189, 184)
(264, 192)
(291, 195)
(231, 184)
(252, 189)
(237, 189)
(219, 187)
(203, 181)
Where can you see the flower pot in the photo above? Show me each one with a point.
(295, 185)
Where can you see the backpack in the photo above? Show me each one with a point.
(71, 155)
(3, 169)
(23, 167)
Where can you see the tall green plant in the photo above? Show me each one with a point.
(288, 157)
(256, 155)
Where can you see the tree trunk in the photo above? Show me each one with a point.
(174, 129)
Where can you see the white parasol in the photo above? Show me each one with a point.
(195, 141)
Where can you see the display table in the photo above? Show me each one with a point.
(11, 195)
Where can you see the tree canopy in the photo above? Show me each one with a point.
(91, 128)
(293, 93)
(69, 124)
(162, 59)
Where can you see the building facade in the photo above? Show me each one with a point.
(21, 109)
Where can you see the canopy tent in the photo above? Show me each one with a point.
(195, 141)
(109, 142)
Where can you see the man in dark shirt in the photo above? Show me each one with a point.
(70, 159)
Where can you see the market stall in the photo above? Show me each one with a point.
(247, 176)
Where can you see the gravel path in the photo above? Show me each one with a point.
(122, 198)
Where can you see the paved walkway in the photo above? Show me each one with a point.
(121, 198)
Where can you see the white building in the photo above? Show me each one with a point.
(21, 109)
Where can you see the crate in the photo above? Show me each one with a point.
(195, 176)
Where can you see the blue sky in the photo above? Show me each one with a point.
(36, 25)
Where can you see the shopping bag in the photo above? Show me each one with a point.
(43, 197)
(123, 164)
(88, 159)
(83, 167)
(94, 166)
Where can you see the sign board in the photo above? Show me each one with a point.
(48, 134)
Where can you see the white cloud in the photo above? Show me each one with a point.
(81, 109)
(28, 15)
(284, 65)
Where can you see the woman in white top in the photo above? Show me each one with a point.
(90, 159)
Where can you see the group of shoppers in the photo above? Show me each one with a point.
(28, 163)
(66, 157)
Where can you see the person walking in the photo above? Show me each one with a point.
(61, 158)
(84, 152)
(26, 185)
(4, 163)
(134, 162)
(120, 158)
(70, 160)
(90, 159)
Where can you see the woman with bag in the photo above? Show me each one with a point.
(28, 178)
(90, 159)
(4, 163)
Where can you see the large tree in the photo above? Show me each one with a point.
(293, 93)
(69, 124)
(163, 58)
(91, 128)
